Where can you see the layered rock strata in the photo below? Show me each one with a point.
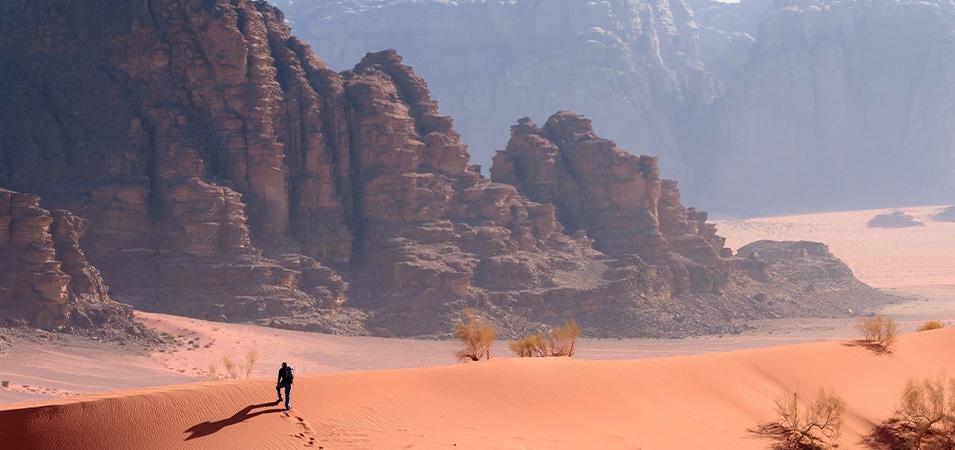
(617, 198)
(757, 106)
(633, 66)
(45, 280)
(227, 173)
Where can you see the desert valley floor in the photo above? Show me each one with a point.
(373, 393)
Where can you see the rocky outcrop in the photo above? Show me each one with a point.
(227, 173)
(179, 139)
(757, 106)
(45, 279)
(631, 66)
(945, 215)
(618, 200)
(894, 219)
(615, 197)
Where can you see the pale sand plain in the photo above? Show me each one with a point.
(372, 393)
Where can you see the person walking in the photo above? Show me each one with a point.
(285, 381)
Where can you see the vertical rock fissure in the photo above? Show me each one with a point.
(355, 220)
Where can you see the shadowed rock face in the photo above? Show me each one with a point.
(839, 104)
(758, 107)
(630, 65)
(228, 174)
(178, 130)
(45, 280)
(615, 197)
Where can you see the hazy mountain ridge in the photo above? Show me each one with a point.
(820, 104)
(840, 105)
(632, 67)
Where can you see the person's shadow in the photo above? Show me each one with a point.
(207, 428)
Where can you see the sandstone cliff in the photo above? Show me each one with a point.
(227, 173)
(615, 197)
(631, 66)
(45, 279)
(840, 104)
(758, 107)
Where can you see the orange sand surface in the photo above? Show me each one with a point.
(373, 393)
(710, 401)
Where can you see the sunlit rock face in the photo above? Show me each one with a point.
(45, 280)
(633, 67)
(820, 105)
(228, 173)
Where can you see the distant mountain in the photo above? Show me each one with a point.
(633, 67)
(761, 106)
(841, 104)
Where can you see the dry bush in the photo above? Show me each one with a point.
(251, 356)
(476, 335)
(931, 325)
(230, 366)
(815, 426)
(214, 371)
(563, 341)
(926, 413)
(533, 345)
(878, 331)
(558, 342)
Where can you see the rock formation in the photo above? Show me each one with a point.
(840, 104)
(45, 279)
(228, 174)
(615, 197)
(894, 219)
(758, 107)
(945, 215)
(631, 66)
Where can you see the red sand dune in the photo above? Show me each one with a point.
(343, 400)
(709, 401)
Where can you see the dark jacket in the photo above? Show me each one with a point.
(285, 375)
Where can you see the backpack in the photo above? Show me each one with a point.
(289, 374)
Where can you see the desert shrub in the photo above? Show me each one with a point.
(558, 342)
(477, 336)
(925, 417)
(214, 371)
(878, 331)
(563, 341)
(230, 366)
(533, 345)
(815, 426)
(931, 325)
(251, 356)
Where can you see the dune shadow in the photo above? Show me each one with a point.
(871, 346)
(207, 428)
(886, 436)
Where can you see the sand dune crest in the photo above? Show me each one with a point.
(702, 401)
